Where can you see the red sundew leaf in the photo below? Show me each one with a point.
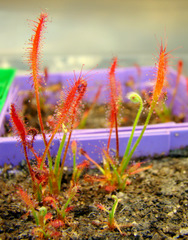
(136, 168)
(92, 179)
(140, 170)
(51, 200)
(68, 107)
(33, 60)
(18, 124)
(67, 110)
(68, 209)
(55, 234)
(38, 232)
(101, 207)
(19, 127)
(161, 66)
(84, 164)
(113, 86)
(114, 92)
(110, 188)
(34, 50)
(41, 176)
(25, 197)
(48, 216)
(57, 223)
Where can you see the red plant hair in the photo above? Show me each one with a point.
(67, 111)
(25, 197)
(70, 102)
(161, 72)
(114, 97)
(18, 124)
(34, 50)
(19, 128)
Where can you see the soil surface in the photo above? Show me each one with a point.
(98, 116)
(154, 206)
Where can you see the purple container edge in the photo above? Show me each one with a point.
(155, 141)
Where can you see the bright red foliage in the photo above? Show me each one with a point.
(71, 100)
(18, 124)
(34, 50)
(114, 98)
(161, 72)
(26, 198)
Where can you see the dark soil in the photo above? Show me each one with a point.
(98, 116)
(154, 206)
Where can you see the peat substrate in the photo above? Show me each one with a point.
(154, 206)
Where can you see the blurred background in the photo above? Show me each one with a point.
(93, 32)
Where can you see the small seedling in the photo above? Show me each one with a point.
(111, 223)
(46, 225)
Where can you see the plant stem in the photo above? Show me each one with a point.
(140, 137)
(42, 126)
(112, 212)
(48, 146)
(114, 167)
(63, 160)
(58, 157)
(72, 194)
(117, 137)
(28, 163)
(123, 162)
(93, 161)
(35, 216)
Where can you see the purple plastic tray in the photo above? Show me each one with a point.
(158, 139)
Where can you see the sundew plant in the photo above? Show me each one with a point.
(47, 172)
(115, 172)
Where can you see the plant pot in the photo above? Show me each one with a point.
(158, 139)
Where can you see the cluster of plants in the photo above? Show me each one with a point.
(46, 172)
